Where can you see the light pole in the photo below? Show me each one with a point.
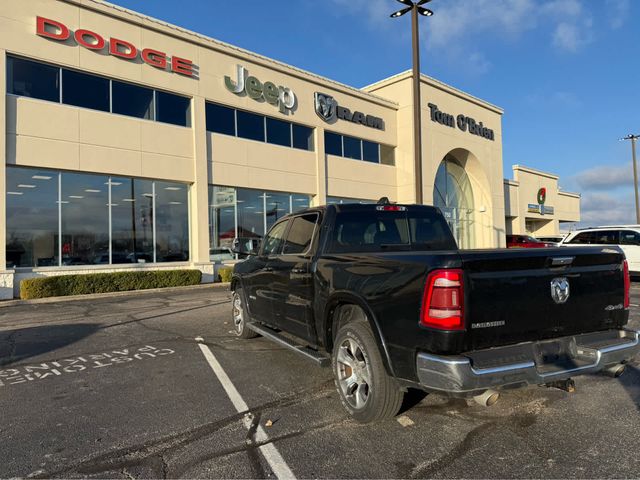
(633, 139)
(416, 8)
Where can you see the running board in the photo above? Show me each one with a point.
(319, 358)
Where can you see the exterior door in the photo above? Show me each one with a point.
(293, 279)
(260, 283)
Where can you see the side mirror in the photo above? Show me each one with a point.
(246, 246)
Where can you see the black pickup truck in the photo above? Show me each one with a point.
(383, 295)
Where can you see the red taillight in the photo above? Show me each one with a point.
(443, 301)
(391, 208)
(627, 284)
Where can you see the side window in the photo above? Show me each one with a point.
(582, 238)
(300, 234)
(273, 240)
(607, 237)
(629, 237)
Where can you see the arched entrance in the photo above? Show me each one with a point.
(453, 194)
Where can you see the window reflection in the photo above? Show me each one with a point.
(85, 219)
(32, 218)
(222, 220)
(36, 219)
(246, 214)
(172, 222)
(131, 220)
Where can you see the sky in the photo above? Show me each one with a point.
(566, 72)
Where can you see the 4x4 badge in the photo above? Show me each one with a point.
(560, 290)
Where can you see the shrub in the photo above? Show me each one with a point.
(225, 274)
(106, 282)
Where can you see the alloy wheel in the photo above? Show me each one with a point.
(353, 373)
(238, 314)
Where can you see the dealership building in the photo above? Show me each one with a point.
(135, 144)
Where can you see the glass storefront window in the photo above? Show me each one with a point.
(352, 148)
(33, 79)
(173, 109)
(299, 202)
(247, 214)
(131, 220)
(44, 206)
(85, 219)
(32, 218)
(84, 90)
(123, 224)
(228, 121)
(453, 194)
(302, 137)
(333, 144)
(46, 82)
(250, 125)
(132, 100)
(278, 132)
(277, 205)
(370, 152)
(250, 213)
(222, 221)
(221, 119)
(358, 149)
(172, 222)
(143, 222)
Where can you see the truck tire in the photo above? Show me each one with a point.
(366, 391)
(239, 315)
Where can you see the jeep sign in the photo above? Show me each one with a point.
(281, 97)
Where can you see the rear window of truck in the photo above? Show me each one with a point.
(382, 231)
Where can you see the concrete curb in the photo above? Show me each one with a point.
(92, 296)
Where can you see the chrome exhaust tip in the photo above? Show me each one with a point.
(616, 370)
(487, 398)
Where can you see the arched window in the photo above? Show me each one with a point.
(453, 194)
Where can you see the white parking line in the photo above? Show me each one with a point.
(269, 450)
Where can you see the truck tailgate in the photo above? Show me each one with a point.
(509, 299)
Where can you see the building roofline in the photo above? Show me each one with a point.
(534, 171)
(184, 34)
(570, 194)
(437, 84)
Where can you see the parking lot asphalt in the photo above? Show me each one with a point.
(120, 388)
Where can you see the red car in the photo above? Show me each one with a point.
(525, 241)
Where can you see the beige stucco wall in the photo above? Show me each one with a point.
(50, 135)
(523, 190)
(480, 157)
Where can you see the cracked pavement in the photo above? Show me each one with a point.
(125, 392)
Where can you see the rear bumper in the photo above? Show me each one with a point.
(531, 363)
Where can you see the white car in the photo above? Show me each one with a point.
(627, 237)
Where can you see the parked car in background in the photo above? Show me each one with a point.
(553, 239)
(525, 241)
(627, 237)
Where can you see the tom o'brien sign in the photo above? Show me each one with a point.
(54, 30)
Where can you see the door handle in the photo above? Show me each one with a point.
(298, 270)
